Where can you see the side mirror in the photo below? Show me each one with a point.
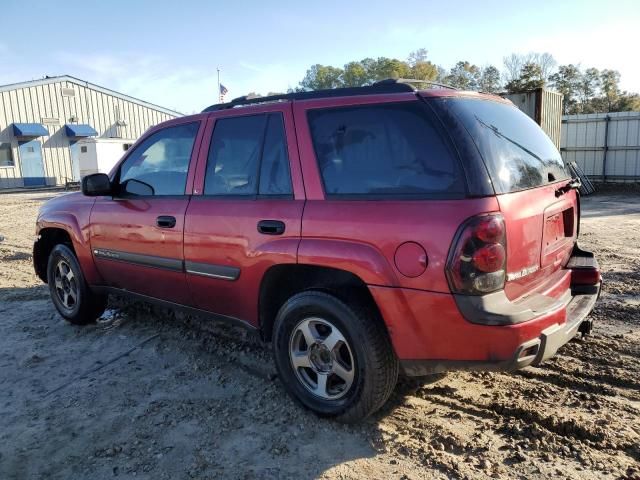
(96, 185)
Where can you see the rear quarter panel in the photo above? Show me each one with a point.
(362, 236)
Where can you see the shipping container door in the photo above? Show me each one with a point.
(31, 162)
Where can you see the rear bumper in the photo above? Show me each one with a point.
(431, 333)
(531, 352)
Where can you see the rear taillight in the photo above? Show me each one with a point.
(478, 257)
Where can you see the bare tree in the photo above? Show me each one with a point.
(514, 63)
(545, 61)
(512, 66)
(417, 56)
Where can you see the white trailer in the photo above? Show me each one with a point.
(99, 155)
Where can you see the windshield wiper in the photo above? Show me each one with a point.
(495, 130)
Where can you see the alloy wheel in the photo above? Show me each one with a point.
(65, 285)
(321, 358)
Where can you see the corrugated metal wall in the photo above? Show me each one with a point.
(46, 104)
(551, 115)
(605, 145)
(544, 107)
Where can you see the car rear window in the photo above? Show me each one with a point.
(388, 150)
(516, 151)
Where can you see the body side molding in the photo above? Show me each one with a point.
(222, 272)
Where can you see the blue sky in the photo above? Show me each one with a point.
(167, 52)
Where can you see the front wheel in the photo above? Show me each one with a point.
(335, 359)
(69, 291)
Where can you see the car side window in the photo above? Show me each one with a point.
(159, 165)
(386, 150)
(275, 177)
(248, 156)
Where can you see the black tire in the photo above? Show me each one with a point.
(87, 305)
(375, 366)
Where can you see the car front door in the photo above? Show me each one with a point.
(137, 235)
(245, 213)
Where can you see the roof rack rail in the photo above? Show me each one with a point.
(410, 81)
(376, 88)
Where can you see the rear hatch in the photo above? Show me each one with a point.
(529, 179)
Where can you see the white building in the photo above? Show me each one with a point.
(42, 120)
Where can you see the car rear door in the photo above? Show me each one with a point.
(137, 235)
(246, 209)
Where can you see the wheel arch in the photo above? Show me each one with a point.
(48, 238)
(63, 228)
(281, 282)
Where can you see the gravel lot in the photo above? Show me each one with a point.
(152, 394)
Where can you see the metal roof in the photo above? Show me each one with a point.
(83, 83)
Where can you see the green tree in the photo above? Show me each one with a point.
(610, 85)
(442, 74)
(591, 91)
(322, 76)
(530, 78)
(588, 88)
(420, 67)
(628, 102)
(355, 74)
(424, 71)
(567, 81)
(384, 67)
(464, 76)
(490, 80)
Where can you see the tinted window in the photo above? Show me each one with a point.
(246, 153)
(6, 155)
(384, 149)
(516, 151)
(275, 178)
(159, 165)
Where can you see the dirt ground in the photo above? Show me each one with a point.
(147, 393)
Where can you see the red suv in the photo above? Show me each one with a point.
(363, 231)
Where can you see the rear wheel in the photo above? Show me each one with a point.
(335, 359)
(70, 293)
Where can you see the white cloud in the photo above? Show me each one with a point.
(187, 89)
(150, 78)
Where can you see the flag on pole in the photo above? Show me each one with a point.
(223, 92)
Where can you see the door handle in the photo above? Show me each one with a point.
(271, 227)
(166, 221)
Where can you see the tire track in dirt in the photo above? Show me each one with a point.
(548, 429)
(576, 416)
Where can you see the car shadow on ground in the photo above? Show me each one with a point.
(148, 391)
(151, 392)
